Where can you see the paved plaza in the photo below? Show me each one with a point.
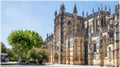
(48, 65)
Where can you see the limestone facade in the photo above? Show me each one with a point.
(92, 40)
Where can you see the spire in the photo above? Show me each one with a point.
(62, 6)
(101, 7)
(93, 10)
(83, 13)
(75, 9)
(87, 14)
(55, 13)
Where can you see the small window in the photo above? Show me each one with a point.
(94, 47)
(68, 43)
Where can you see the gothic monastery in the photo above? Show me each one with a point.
(85, 40)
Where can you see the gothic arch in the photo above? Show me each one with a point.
(102, 22)
(78, 27)
(69, 27)
(105, 24)
(69, 22)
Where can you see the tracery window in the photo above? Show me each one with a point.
(105, 24)
(97, 25)
(102, 23)
(78, 27)
(69, 27)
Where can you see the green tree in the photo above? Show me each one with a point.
(3, 48)
(37, 55)
(23, 41)
(10, 54)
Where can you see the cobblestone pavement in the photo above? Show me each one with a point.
(48, 65)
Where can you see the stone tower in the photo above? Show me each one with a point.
(69, 35)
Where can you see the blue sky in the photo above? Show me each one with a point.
(39, 15)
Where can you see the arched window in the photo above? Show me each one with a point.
(97, 25)
(105, 24)
(69, 27)
(78, 27)
(102, 22)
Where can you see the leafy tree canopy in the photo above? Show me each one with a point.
(23, 40)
